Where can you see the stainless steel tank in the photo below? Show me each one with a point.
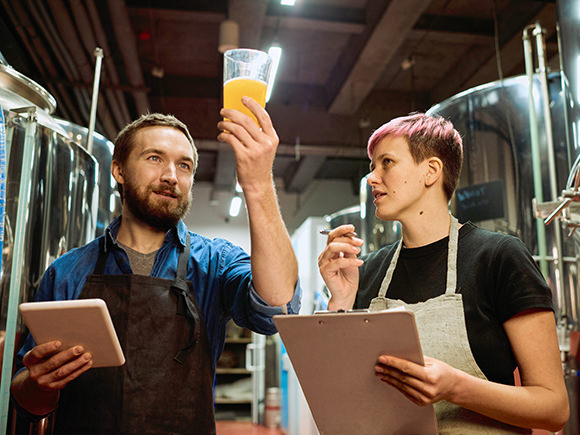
(496, 186)
(63, 178)
(52, 198)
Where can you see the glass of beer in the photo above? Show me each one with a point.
(246, 73)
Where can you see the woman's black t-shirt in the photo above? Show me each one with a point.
(496, 276)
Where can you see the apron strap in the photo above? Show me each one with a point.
(451, 285)
(183, 259)
(389, 275)
(185, 305)
(100, 265)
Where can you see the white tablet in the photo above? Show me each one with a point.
(84, 322)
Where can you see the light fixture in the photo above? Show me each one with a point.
(235, 205)
(275, 53)
(288, 2)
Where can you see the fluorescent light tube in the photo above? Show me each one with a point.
(275, 53)
(235, 206)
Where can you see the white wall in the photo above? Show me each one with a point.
(211, 219)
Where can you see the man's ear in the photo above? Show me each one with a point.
(117, 172)
(434, 170)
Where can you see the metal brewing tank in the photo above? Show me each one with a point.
(59, 213)
(495, 189)
(52, 188)
(58, 196)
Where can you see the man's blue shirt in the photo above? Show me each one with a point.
(220, 273)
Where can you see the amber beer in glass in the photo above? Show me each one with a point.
(246, 73)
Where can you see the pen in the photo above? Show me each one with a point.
(327, 231)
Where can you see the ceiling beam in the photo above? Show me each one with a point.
(455, 24)
(315, 24)
(300, 175)
(479, 65)
(290, 150)
(171, 85)
(250, 15)
(217, 6)
(388, 35)
(178, 15)
(449, 37)
(126, 41)
(318, 12)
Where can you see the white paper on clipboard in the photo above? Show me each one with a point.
(334, 355)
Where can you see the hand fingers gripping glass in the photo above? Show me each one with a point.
(246, 73)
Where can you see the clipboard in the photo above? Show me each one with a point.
(334, 354)
(81, 321)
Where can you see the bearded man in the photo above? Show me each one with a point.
(170, 291)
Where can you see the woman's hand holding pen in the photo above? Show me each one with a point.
(338, 265)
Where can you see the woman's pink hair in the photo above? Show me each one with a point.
(427, 136)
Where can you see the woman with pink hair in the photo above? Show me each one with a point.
(481, 304)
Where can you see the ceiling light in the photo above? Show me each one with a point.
(235, 206)
(275, 53)
(287, 2)
(238, 187)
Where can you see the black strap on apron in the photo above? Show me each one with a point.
(185, 305)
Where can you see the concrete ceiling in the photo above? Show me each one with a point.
(348, 66)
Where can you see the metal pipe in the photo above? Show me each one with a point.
(7, 355)
(19, 253)
(535, 149)
(538, 32)
(565, 91)
(98, 63)
(543, 76)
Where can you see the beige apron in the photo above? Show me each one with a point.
(443, 335)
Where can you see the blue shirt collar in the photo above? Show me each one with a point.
(180, 230)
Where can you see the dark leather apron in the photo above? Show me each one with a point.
(166, 384)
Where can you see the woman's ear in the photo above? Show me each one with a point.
(434, 170)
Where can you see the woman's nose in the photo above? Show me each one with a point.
(372, 178)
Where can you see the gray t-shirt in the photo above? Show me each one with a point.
(141, 264)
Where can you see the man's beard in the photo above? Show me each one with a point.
(156, 212)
